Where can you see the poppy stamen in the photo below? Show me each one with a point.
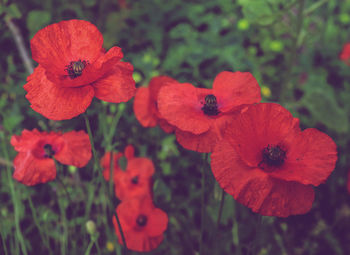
(273, 155)
(135, 180)
(210, 106)
(141, 220)
(49, 152)
(75, 68)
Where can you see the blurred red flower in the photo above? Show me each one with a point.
(135, 180)
(199, 114)
(34, 162)
(345, 54)
(145, 104)
(142, 223)
(73, 68)
(348, 182)
(268, 164)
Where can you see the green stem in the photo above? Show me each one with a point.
(37, 224)
(88, 128)
(293, 53)
(3, 240)
(235, 230)
(205, 160)
(222, 202)
(15, 199)
(96, 167)
(315, 6)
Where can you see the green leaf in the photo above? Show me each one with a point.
(321, 101)
(13, 11)
(37, 20)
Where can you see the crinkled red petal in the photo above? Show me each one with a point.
(56, 45)
(144, 109)
(180, 104)
(156, 83)
(101, 68)
(116, 86)
(310, 158)
(31, 171)
(206, 141)
(157, 222)
(53, 101)
(76, 149)
(26, 141)
(235, 89)
(167, 128)
(259, 126)
(256, 189)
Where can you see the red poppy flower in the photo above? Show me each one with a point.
(200, 115)
(268, 164)
(73, 68)
(345, 54)
(34, 164)
(142, 223)
(145, 104)
(135, 180)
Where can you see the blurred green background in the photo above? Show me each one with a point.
(291, 47)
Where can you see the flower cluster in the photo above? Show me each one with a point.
(37, 151)
(345, 54)
(142, 223)
(259, 154)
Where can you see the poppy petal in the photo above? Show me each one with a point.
(56, 45)
(26, 141)
(180, 105)
(257, 127)
(310, 159)
(145, 111)
(206, 141)
(255, 188)
(117, 86)
(75, 142)
(53, 101)
(235, 89)
(167, 128)
(31, 171)
(157, 222)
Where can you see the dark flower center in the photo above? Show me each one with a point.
(210, 106)
(75, 68)
(273, 155)
(49, 152)
(141, 220)
(135, 180)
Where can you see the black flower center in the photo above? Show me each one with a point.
(210, 106)
(273, 155)
(141, 220)
(49, 152)
(135, 179)
(75, 68)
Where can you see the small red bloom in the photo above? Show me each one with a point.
(345, 54)
(145, 104)
(142, 223)
(200, 115)
(135, 180)
(268, 164)
(34, 164)
(73, 68)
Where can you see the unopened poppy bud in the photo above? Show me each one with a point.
(90, 227)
